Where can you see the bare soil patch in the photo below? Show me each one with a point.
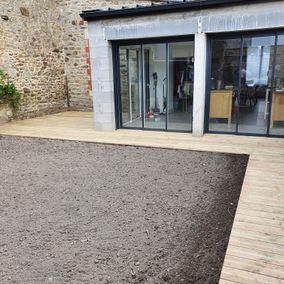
(73, 212)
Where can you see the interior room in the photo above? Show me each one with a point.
(246, 84)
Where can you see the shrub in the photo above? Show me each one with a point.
(8, 92)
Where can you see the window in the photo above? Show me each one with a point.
(246, 90)
(277, 107)
(156, 85)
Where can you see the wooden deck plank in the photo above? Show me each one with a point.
(249, 265)
(267, 212)
(258, 220)
(257, 244)
(253, 254)
(260, 214)
(255, 235)
(256, 248)
(261, 207)
(223, 281)
(242, 276)
(277, 231)
(258, 199)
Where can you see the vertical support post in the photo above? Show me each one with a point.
(199, 92)
(102, 79)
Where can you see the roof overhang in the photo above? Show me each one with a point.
(170, 7)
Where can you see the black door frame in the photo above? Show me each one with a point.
(116, 77)
(240, 35)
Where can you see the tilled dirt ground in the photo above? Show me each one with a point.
(73, 212)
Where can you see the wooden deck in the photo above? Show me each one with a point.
(256, 249)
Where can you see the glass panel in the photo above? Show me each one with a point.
(224, 84)
(180, 98)
(256, 71)
(277, 108)
(130, 86)
(155, 85)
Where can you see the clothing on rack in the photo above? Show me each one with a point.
(185, 86)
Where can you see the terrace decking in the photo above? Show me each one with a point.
(256, 249)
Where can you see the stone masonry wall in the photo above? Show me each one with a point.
(31, 51)
(43, 49)
(75, 46)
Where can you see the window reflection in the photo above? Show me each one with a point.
(224, 83)
(181, 77)
(156, 85)
(242, 94)
(130, 87)
(255, 89)
(277, 108)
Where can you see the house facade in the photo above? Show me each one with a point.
(191, 66)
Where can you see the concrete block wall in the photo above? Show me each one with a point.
(102, 79)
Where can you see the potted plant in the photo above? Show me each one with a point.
(9, 98)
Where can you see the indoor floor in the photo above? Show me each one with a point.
(252, 120)
(179, 121)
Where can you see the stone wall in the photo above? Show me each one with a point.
(43, 49)
(75, 46)
(31, 51)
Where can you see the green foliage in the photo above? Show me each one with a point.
(8, 92)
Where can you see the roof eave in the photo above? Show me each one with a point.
(95, 15)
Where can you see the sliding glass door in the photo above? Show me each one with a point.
(181, 78)
(156, 85)
(277, 106)
(255, 88)
(130, 86)
(246, 85)
(224, 84)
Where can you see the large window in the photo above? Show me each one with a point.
(156, 85)
(246, 89)
(255, 86)
(131, 93)
(277, 107)
(180, 99)
(224, 83)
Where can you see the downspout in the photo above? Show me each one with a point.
(67, 92)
